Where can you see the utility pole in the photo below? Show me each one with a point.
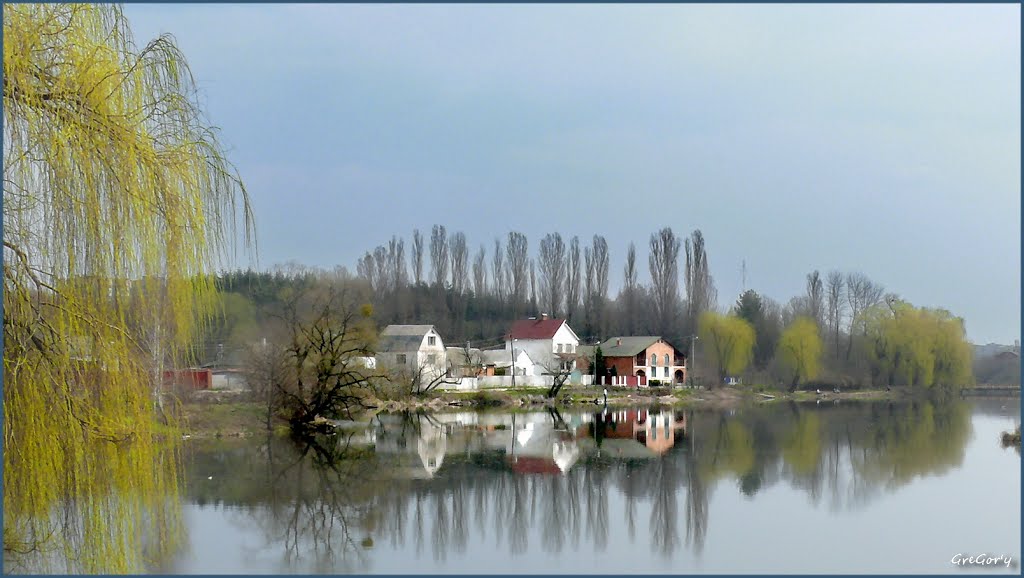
(693, 358)
(514, 363)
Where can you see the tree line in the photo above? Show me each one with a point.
(843, 330)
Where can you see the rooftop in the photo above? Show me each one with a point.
(535, 328)
(624, 346)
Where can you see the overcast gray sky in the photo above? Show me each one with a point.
(881, 139)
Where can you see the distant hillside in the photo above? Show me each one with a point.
(992, 349)
(992, 370)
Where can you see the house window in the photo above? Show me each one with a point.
(431, 340)
(654, 359)
(400, 358)
(666, 363)
(432, 358)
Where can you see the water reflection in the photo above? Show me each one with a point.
(554, 480)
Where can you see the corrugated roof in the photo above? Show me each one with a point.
(629, 347)
(535, 328)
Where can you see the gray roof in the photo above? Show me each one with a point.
(586, 351)
(496, 357)
(457, 356)
(630, 346)
(420, 330)
(402, 337)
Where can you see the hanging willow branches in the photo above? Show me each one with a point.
(118, 203)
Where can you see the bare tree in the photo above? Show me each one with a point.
(596, 289)
(664, 265)
(816, 298)
(498, 274)
(534, 306)
(552, 272)
(460, 260)
(266, 366)
(327, 336)
(589, 294)
(560, 368)
(380, 265)
(367, 270)
(397, 271)
(439, 255)
(421, 379)
(861, 293)
(629, 290)
(417, 256)
(835, 283)
(572, 286)
(480, 272)
(700, 288)
(518, 268)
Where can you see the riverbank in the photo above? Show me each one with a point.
(216, 414)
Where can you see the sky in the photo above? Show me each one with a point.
(883, 139)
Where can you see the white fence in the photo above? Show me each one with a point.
(506, 381)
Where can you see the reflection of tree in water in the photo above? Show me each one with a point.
(327, 503)
(664, 531)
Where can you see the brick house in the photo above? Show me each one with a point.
(646, 358)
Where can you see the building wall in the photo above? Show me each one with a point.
(566, 339)
(627, 365)
(664, 372)
(419, 357)
(505, 381)
(539, 351)
(440, 363)
(229, 380)
(543, 351)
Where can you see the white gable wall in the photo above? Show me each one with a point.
(543, 351)
(432, 357)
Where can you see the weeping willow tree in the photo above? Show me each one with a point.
(118, 202)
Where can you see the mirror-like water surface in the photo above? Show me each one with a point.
(784, 488)
(781, 488)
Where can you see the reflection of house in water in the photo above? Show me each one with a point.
(538, 444)
(431, 448)
(635, 433)
(416, 448)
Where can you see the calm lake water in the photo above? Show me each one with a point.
(810, 488)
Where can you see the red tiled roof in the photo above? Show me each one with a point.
(535, 328)
(531, 465)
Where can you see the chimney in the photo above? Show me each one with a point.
(618, 342)
(543, 316)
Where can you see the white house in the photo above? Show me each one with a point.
(544, 340)
(499, 362)
(412, 348)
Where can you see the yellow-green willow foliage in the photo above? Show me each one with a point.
(801, 448)
(800, 349)
(118, 202)
(727, 450)
(925, 439)
(917, 346)
(729, 340)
